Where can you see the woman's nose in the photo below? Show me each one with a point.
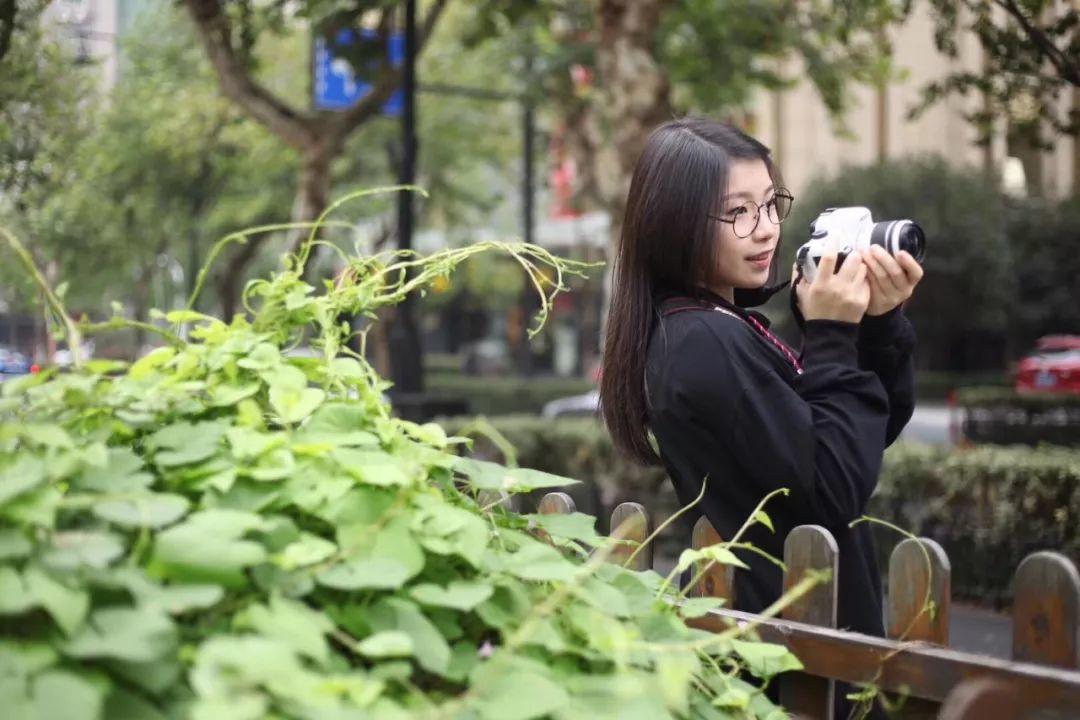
(766, 229)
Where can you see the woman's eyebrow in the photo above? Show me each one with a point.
(746, 195)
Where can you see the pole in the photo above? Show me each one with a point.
(406, 365)
(528, 303)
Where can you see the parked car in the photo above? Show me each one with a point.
(13, 362)
(584, 405)
(1053, 366)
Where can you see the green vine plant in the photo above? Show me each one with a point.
(869, 691)
(221, 529)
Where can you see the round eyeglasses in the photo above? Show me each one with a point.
(744, 218)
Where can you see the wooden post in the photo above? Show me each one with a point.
(501, 497)
(719, 580)
(1046, 610)
(981, 699)
(810, 547)
(556, 503)
(553, 503)
(913, 581)
(629, 521)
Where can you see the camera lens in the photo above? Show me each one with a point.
(897, 235)
(910, 237)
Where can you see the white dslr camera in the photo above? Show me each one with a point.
(845, 230)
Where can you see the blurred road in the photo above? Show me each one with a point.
(929, 424)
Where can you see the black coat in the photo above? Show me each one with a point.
(725, 402)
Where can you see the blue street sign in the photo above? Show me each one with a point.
(336, 85)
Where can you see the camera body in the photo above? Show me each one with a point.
(847, 229)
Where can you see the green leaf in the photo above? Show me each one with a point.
(365, 574)
(13, 544)
(520, 695)
(226, 395)
(385, 559)
(699, 606)
(179, 599)
(52, 436)
(308, 550)
(537, 561)
(153, 510)
(374, 467)
(132, 634)
(766, 659)
(764, 519)
(186, 443)
(339, 424)
(485, 475)
(25, 474)
(459, 595)
(209, 545)
(15, 596)
(68, 606)
(123, 704)
(62, 695)
(122, 472)
(290, 397)
(75, 549)
(389, 643)
(429, 645)
(723, 556)
(674, 672)
(248, 444)
(294, 623)
(571, 526)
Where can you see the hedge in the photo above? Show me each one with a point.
(987, 506)
(1003, 416)
(504, 395)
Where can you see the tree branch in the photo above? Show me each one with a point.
(1067, 69)
(295, 128)
(389, 80)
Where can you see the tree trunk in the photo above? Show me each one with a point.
(312, 193)
(312, 197)
(636, 96)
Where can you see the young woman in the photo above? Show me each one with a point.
(726, 399)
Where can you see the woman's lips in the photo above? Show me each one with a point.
(761, 260)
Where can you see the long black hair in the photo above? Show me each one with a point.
(668, 241)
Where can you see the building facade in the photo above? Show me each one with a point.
(797, 126)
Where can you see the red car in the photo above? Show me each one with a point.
(1054, 366)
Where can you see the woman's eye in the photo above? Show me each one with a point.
(741, 210)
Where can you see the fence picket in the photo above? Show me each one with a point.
(719, 580)
(910, 577)
(556, 503)
(1046, 610)
(810, 547)
(630, 522)
(981, 699)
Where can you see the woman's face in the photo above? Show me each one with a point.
(744, 262)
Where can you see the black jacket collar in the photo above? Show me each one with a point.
(667, 298)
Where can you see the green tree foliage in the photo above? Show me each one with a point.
(1031, 51)
(1000, 270)
(45, 102)
(962, 307)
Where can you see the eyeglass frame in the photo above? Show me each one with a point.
(778, 192)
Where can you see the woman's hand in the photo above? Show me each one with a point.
(892, 280)
(836, 295)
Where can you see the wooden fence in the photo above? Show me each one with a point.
(1042, 680)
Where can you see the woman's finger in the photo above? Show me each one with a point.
(826, 268)
(851, 266)
(912, 269)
